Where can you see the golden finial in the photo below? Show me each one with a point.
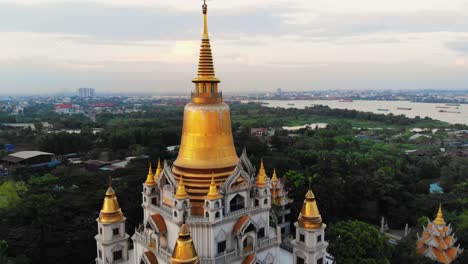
(213, 192)
(110, 212)
(181, 193)
(158, 170)
(184, 250)
(205, 20)
(274, 178)
(440, 217)
(310, 218)
(261, 177)
(150, 176)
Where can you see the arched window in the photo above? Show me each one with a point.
(217, 215)
(207, 204)
(212, 88)
(207, 215)
(237, 203)
(175, 214)
(204, 88)
(217, 204)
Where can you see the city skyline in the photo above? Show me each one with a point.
(151, 46)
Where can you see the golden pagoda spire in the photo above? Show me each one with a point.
(110, 212)
(158, 170)
(181, 193)
(261, 177)
(206, 83)
(440, 217)
(150, 177)
(274, 178)
(184, 250)
(310, 218)
(213, 191)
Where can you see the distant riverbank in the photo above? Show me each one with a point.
(453, 114)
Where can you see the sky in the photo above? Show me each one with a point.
(151, 46)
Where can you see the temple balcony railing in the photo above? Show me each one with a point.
(241, 211)
(207, 94)
(140, 235)
(164, 253)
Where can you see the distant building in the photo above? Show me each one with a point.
(28, 158)
(86, 92)
(258, 131)
(63, 108)
(279, 92)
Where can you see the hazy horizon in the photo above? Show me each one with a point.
(136, 46)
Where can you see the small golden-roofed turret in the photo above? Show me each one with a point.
(184, 249)
(181, 193)
(213, 191)
(261, 177)
(110, 212)
(150, 177)
(440, 217)
(158, 170)
(310, 218)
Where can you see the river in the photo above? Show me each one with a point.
(450, 114)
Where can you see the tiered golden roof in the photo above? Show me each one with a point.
(206, 71)
(110, 212)
(181, 193)
(437, 241)
(184, 250)
(261, 177)
(440, 217)
(150, 177)
(310, 218)
(213, 191)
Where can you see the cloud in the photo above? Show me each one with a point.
(459, 45)
(143, 44)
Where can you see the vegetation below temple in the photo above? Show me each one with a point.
(360, 174)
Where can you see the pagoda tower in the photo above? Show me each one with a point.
(210, 205)
(279, 198)
(438, 241)
(111, 240)
(310, 246)
(207, 146)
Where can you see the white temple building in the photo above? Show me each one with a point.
(209, 206)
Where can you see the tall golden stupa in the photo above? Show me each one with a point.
(207, 147)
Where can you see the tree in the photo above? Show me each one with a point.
(358, 242)
(11, 194)
(294, 178)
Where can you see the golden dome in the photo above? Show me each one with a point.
(440, 217)
(207, 146)
(213, 192)
(181, 193)
(310, 218)
(150, 177)
(184, 250)
(261, 177)
(110, 212)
